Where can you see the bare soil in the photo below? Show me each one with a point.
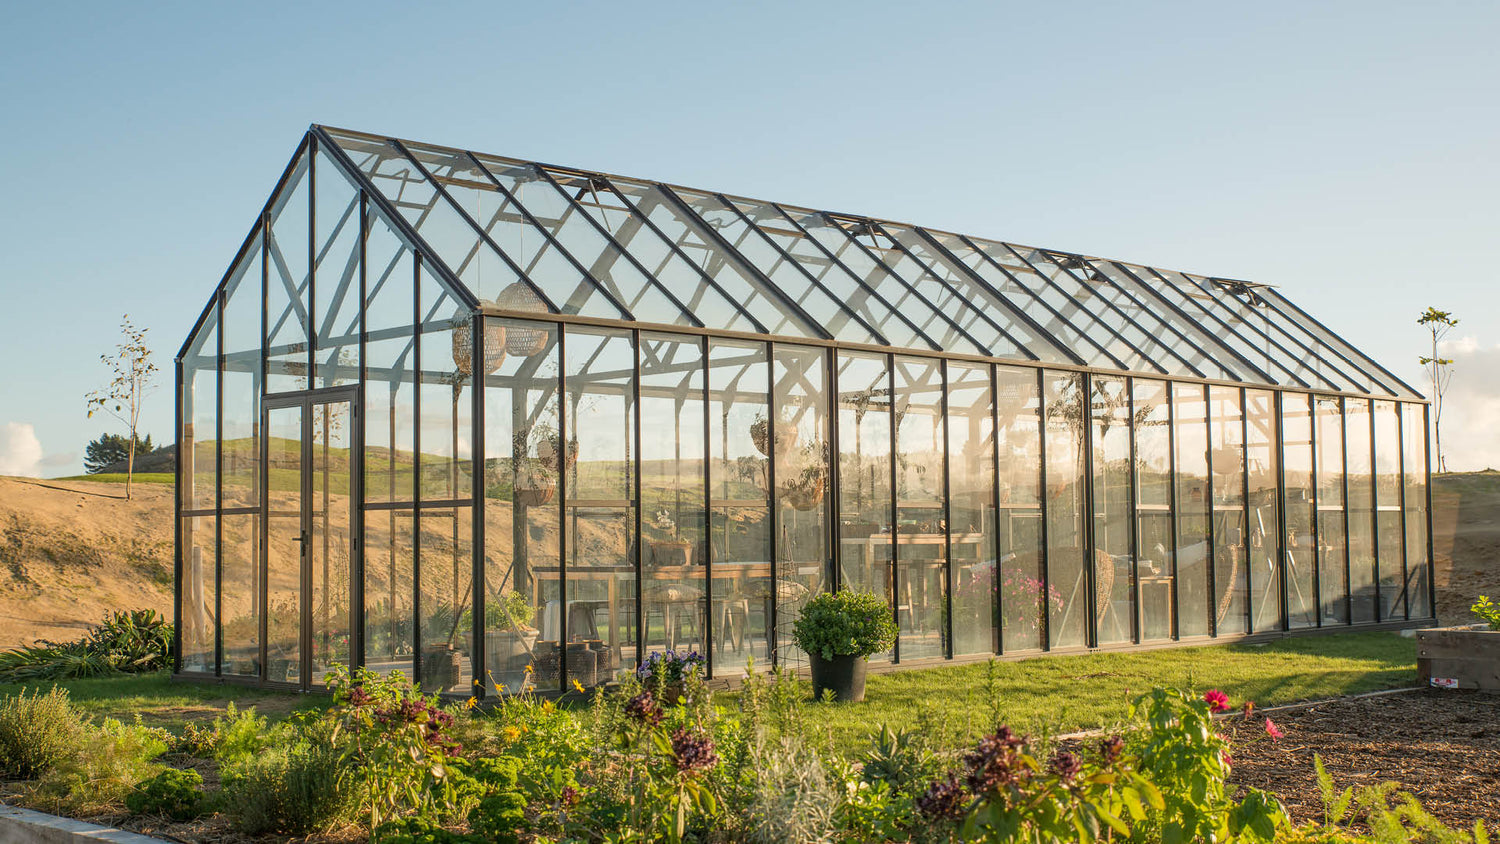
(1441, 746)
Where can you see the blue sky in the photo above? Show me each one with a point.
(1343, 151)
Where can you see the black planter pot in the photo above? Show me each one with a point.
(843, 675)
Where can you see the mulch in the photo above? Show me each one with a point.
(1442, 746)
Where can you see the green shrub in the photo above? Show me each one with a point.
(418, 830)
(36, 731)
(845, 623)
(1487, 611)
(132, 641)
(103, 768)
(295, 786)
(172, 793)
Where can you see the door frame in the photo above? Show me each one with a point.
(307, 400)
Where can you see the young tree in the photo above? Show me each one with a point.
(110, 449)
(122, 399)
(1440, 371)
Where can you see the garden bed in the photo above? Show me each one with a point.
(1442, 746)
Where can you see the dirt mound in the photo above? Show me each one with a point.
(70, 551)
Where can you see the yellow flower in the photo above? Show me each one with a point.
(529, 669)
(471, 703)
(512, 733)
(577, 685)
(548, 706)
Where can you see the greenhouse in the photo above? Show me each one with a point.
(500, 424)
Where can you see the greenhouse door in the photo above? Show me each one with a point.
(310, 469)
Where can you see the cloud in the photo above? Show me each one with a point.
(1471, 406)
(20, 450)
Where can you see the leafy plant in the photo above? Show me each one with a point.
(845, 623)
(661, 671)
(127, 641)
(295, 786)
(172, 793)
(1487, 611)
(102, 769)
(36, 731)
(511, 611)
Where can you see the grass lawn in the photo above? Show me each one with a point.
(1047, 694)
(119, 478)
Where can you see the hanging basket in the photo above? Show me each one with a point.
(494, 347)
(786, 436)
(523, 342)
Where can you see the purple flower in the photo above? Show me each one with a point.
(692, 752)
(1110, 749)
(1067, 766)
(945, 799)
(644, 709)
(996, 762)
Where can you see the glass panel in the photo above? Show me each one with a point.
(674, 578)
(800, 395)
(332, 514)
(921, 509)
(1414, 469)
(1265, 549)
(1114, 598)
(1023, 573)
(1049, 275)
(522, 449)
(1227, 459)
(866, 520)
(198, 589)
(241, 377)
(445, 541)
(286, 286)
(240, 597)
(390, 367)
(971, 507)
(1184, 338)
(739, 383)
(389, 569)
(335, 276)
(447, 406)
(1357, 455)
(1190, 411)
(1333, 572)
(284, 546)
(1065, 399)
(1153, 507)
(601, 527)
(200, 436)
(1301, 536)
(1388, 511)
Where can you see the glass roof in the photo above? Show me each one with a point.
(521, 235)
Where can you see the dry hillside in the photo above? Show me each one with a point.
(72, 550)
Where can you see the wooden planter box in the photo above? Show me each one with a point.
(1459, 657)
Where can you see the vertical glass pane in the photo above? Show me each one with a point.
(522, 448)
(800, 395)
(335, 276)
(199, 440)
(389, 589)
(921, 509)
(390, 370)
(1388, 511)
(240, 598)
(674, 578)
(739, 450)
(1265, 547)
(284, 546)
(1357, 449)
(198, 587)
(1333, 572)
(1153, 507)
(971, 505)
(1301, 537)
(1190, 410)
(1414, 470)
(287, 286)
(1066, 401)
(445, 542)
(1024, 594)
(1110, 422)
(332, 457)
(866, 519)
(1227, 459)
(602, 462)
(242, 388)
(447, 406)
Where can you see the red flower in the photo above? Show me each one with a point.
(1274, 731)
(1217, 701)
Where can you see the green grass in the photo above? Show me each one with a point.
(1067, 693)
(119, 478)
(1046, 694)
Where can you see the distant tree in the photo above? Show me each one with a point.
(110, 449)
(1440, 371)
(133, 370)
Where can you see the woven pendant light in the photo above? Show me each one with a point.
(495, 346)
(523, 342)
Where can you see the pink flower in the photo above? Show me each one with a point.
(1217, 701)
(1274, 731)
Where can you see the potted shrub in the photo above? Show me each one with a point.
(839, 631)
(1462, 657)
(510, 640)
